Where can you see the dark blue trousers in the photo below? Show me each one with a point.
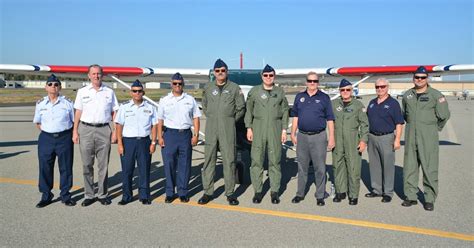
(136, 150)
(177, 155)
(51, 146)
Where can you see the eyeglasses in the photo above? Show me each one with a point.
(137, 91)
(268, 75)
(179, 84)
(312, 81)
(51, 84)
(220, 70)
(422, 77)
(380, 86)
(346, 90)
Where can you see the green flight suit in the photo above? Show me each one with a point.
(350, 127)
(425, 115)
(267, 115)
(223, 107)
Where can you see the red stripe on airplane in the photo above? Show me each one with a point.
(350, 71)
(107, 69)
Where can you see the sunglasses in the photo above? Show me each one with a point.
(380, 86)
(53, 84)
(422, 77)
(268, 75)
(137, 91)
(312, 81)
(220, 70)
(346, 90)
(179, 84)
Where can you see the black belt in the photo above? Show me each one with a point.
(137, 138)
(95, 124)
(57, 135)
(380, 134)
(177, 130)
(311, 133)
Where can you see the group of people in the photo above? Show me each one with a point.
(343, 126)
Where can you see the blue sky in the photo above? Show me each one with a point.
(193, 34)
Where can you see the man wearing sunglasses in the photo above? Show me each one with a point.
(223, 104)
(177, 113)
(96, 106)
(351, 130)
(54, 116)
(426, 112)
(312, 113)
(385, 117)
(266, 120)
(135, 121)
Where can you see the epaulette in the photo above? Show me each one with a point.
(40, 100)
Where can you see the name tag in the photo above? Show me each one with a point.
(348, 110)
(424, 99)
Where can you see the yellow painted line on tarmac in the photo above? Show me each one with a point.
(30, 182)
(291, 215)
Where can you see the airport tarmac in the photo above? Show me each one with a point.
(369, 224)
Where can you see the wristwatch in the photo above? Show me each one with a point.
(153, 142)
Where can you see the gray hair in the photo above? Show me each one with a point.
(95, 66)
(382, 80)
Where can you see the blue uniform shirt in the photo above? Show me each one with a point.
(313, 112)
(384, 117)
(178, 112)
(54, 117)
(137, 120)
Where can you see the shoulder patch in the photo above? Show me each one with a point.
(442, 99)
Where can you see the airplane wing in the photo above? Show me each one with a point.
(240, 76)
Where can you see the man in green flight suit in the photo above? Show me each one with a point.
(426, 112)
(351, 130)
(266, 120)
(223, 104)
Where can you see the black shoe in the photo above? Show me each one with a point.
(69, 203)
(184, 198)
(320, 202)
(232, 200)
(372, 195)
(257, 198)
(205, 199)
(353, 201)
(87, 202)
(429, 206)
(409, 203)
(339, 197)
(146, 201)
(297, 199)
(169, 199)
(123, 202)
(44, 203)
(386, 199)
(105, 201)
(275, 198)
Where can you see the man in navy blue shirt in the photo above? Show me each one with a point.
(312, 113)
(385, 117)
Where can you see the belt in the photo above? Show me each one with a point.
(311, 133)
(95, 124)
(57, 135)
(137, 138)
(177, 130)
(380, 134)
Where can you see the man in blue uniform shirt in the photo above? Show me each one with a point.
(385, 117)
(312, 113)
(177, 113)
(135, 121)
(54, 116)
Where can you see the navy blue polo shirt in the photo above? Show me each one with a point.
(312, 111)
(384, 117)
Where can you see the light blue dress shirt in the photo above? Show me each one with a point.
(137, 120)
(54, 117)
